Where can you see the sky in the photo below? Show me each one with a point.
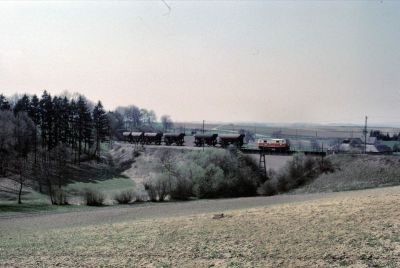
(235, 61)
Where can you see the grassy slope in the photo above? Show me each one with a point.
(108, 187)
(34, 202)
(355, 173)
(361, 231)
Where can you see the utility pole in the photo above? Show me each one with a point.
(365, 134)
(203, 136)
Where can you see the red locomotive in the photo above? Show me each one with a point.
(274, 145)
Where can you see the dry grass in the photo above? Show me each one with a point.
(356, 231)
(355, 173)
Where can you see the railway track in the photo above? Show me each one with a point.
(266, 152)
(243, 150)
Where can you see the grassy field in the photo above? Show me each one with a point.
(360, 230)
(34, 202)
(109, 187)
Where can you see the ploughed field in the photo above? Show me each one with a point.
(358, 229)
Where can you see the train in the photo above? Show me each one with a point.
(155, 138)
(178, 139)
(223, 140)
(277, 145)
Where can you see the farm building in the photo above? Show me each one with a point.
(356, 145)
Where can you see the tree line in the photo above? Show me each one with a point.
(384, 137)
(42, 138)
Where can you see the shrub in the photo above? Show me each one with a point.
(159, 186)
(94, 198)
(182, 189)
(225, 173)
(125, 197)
(269, 187)
(326, 166)
(186, 174)
(59, 197)
(297, 172)
(141, 197)
(208, 174)
(208, 186)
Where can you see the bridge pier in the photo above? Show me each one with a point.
(262, 164)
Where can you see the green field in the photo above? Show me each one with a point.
(34, 202)
(108, 187)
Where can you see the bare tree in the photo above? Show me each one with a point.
(19, 172)
(166, 122)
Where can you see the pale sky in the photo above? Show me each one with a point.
(252, 61)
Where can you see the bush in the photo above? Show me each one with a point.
(208, 174)
(297, 172)
(94, 198)
(182, 189)
(125, 197)
(230, 174)
(269, 187)
(210, 185)
(59, 197)
(159, 186)
(326, 166)
(141, 197)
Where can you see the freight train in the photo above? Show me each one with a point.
(223, 139)
(157, 138)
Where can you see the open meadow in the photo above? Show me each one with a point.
(355, 229)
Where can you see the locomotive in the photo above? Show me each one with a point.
(281, 145)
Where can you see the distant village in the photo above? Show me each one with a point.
(376, 142)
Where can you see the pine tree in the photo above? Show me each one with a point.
(22, 105)
(34, 110)
(83, 125)
(73, 123)
(65, 125)
(34, 114)
(46, 120)
(4, 104)
(101, 126)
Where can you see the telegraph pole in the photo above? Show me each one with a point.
(365, 134)
(203, 136)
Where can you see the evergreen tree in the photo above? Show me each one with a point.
(34, 110)
(4, 104)
(73, 123)
(46, 120)
(22, 105)
(65, 125)
(83, 125)
(57, 119)
(34, 114)
(101, 126)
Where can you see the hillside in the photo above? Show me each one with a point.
(354, 172)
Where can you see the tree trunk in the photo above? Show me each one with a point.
(20, 191)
